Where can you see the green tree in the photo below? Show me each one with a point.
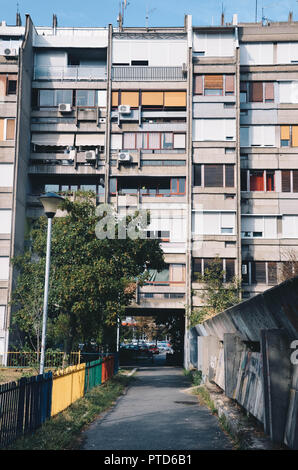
(217, 294)
(91, 279)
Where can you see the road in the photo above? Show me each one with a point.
(157, 413)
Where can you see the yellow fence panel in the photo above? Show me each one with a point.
(68, 386)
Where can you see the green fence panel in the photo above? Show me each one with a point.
(93, 374)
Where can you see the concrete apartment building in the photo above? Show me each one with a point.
(197, 124)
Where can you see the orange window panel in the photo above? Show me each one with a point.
(285, 132)
(152, 98)
(175, 98)
(294, 136)
(130, 98)
(10, 129)
(2, 121)
(115, 101)
(214, 82)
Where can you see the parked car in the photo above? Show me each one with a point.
(154, 349)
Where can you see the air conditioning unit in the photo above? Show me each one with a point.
(10, 52)
(124, 109)
(123, 156)
(102, 120)
(244, 269)
(64, 108)
(90, 156)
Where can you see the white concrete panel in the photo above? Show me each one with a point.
(6, 175)
(214, 45)
(256, 54)
(163, 53)
(5, 221)
(116, 141)
(4, 268)
(288, 92)
(290, 226)
(287, 52)
(214, 129)
(2, 316)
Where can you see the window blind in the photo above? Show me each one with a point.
(213, 176)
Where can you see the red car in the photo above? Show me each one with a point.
(154, 349)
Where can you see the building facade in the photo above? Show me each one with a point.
(196, 124)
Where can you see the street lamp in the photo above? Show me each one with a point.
(50, 202)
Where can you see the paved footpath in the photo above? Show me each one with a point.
(157, 414)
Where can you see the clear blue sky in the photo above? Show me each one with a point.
(161, 12)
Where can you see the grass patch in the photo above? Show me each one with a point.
(205, 399)
(63, 432)
(194, 375)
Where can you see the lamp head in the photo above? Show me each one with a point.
(50, 202)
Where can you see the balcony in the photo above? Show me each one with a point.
(149, 74)
(71, 72)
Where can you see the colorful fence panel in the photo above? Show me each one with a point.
(107, 368)
(27, 403)
(68, 386)
(24, 406)
(93, 376)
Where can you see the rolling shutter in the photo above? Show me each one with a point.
(285, 132)
(214, 82)
(130, 98)
(152, 98)
(115, 98)
(269, 91)
(295, 181)
(213, 176)
(286, 181)
(294, 136)
(198, 85)
(230, 84)
(256, 91)
(229, 170)
(175, 98)
(258, 272)
(10, 129)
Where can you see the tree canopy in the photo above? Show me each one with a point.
(92, 279)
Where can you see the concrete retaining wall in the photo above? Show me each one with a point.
(247, 350)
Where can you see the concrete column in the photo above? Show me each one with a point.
(233, 348)
(276, 353)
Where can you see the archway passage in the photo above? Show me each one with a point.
(152, 337)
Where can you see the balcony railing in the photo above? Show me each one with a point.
(150, 74)
(71, 72)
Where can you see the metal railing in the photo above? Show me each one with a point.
(71, 72)
(138, 73)
(53, 359)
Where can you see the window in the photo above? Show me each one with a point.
(260, 272)
(256, 92)
(72, 187)
(52, 98)
(258, 180)
(215, 176)
(214, 85)
(7, 129)
(197, 175)
(289, 136)
(159, 187)
(86, 98)
(199, 266)
(11, 87)
(153, 141)
(140, 62)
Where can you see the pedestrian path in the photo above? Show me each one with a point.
(157, 414)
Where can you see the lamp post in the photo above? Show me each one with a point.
(50, 202)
